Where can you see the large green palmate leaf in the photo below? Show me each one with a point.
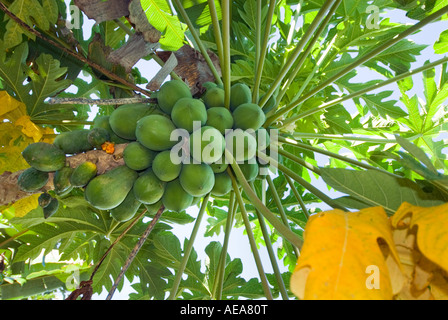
(32, 12)
(370, 188)
(160, 16)
(32, 85)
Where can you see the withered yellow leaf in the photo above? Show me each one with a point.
(29, 128)
(431, 235)
(342, 257)
(21, 207)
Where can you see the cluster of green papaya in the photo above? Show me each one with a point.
(199, 128)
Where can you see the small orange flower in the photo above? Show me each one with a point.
(109, 147)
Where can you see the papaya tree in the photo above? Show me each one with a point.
(295, 123)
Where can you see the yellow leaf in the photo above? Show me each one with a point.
(432, 223)
(9, 104)
(344, 257)
(29, 128)
(21, 207)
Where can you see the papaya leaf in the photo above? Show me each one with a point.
(441, 45)
(378, 189)
(32, 12)
(339, 251)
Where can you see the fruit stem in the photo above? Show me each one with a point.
(250, 235)
(308, 50)
(217, 287)
(216, 30)
(263, 51)
(198, 41)
(281, 228)
(296, 53)
(298, 196)
(271, 253)
(188, 249)
(373, 53)
(226, 67)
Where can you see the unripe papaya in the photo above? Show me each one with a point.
(214, 97)
(31, 180)
(197, 179)
(223, 184)
(61, 180)
(170, 92)
(123, 120)
(164, 168)
(207, 144)
(103, 122)
(153, 208)
(138, 157)
(44, 199)
(148, 189)
(44, 156)
(219, 166)
(175, 197)
(98, 136)
(219, 118)
(239, 94)
(51, 208)
(82, 174)
(241, 144)
(108, 190)
(250, 170)
(127, 209)
(186, 111)
(248, 116)
(154, 132)
(72, 142)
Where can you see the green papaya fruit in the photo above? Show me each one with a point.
(154, 132)
(219, 166)
(103, 122)
(82, 174)
(175, 197)
(138, 157)
(51, 208)
(170, 92)
(98, 136)
(219, 118)
(197, 179)
(31, 180)
(250, 170)
(223, 184)
(248, 116)
(164, 168)
(61, 180)
(72, 142)
(148, 189)
(108, 190)
(127, 209)
(123, 120)
(152, 209)
(208, 85)
(188, 110)
(241, 144)
(44, 156)
(44, 199)
(239, 94)
(207, 144)
(214, 97)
